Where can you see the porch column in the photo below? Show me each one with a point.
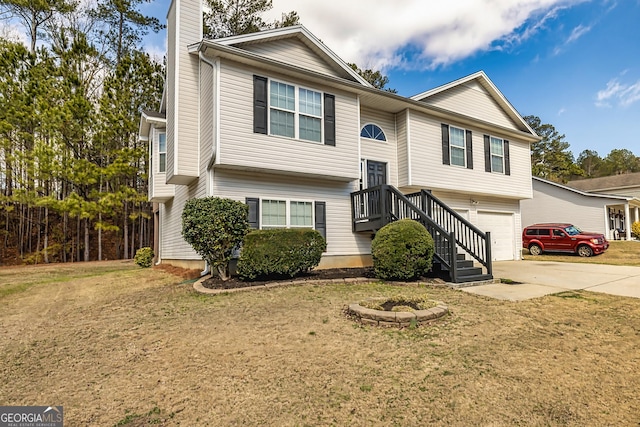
(637, 211)
(627, 221)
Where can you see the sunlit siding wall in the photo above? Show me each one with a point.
(182, 96)
(241, 148)
(472, 100)
(293, 52)
(428, 170)
(340, 238)
(381, 151)
(403, 150)
(554, 204)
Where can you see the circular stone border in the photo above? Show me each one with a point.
(400, 319)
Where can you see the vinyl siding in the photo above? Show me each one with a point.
(172, 245)
(182, 100)
(170, 83)
(206, 117)
(427, 170)
(472, 100)
(159, 190)
(486, 204)
(240, 148)
(555, 204)
(381, 151)
(340, 238)
(292, 52)
(629, 192)
(403, 150)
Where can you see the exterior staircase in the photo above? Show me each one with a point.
(462, 251)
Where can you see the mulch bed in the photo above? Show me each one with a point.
(326, 274)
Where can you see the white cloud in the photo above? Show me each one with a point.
(622, 94)
(578, 32)
(419, 34)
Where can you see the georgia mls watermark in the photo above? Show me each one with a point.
(31, 416)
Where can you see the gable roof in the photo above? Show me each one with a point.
(583, 193)
(607, 183)
(147, 118)
(369, 96)
(303, 35)
(481, 78)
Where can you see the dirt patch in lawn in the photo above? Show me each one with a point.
(119, 345)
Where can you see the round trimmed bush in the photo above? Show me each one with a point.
(402, 250)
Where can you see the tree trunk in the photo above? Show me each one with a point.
(46, 236)
(100, 237)
(126, 232)
(39, 231)
(86, 239)
(65, 228)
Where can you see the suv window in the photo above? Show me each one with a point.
(572, 230)
(537, 232)
(558, 233)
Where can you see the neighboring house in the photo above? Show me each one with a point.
(608, 214)
(277, 120)
(627, 184)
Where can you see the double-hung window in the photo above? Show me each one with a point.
(295, 112)
(162, 152)
(286, 214)
(457, 146)
(292, 111)
(497, 155)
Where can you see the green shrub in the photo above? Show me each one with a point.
(144, 257)
(214, 227)
(279, 253)
(402, 250)
(635, 229)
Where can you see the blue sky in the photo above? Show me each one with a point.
(573, 63)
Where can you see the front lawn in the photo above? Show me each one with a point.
(119, 345)
(621, 252)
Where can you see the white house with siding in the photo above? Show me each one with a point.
(607, 213)
(277, 120)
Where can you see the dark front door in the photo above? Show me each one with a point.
(376, 173)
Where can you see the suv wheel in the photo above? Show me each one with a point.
(584, 250)
(535, 250)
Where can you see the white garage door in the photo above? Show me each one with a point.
(503, 241)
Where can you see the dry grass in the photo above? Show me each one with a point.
(119, 345)
(620, 252)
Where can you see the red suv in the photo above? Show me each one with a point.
(540, 238)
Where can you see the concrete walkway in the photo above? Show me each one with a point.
(539, 278)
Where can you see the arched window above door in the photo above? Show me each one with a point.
(372, 131)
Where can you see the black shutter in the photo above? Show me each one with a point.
(469, 150)
(487, 154)
(329, 119)
(507, 166)
(321, 218)
(259, 104)
(445, 145)
(254, 212)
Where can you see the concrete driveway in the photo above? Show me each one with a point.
(539, 278)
